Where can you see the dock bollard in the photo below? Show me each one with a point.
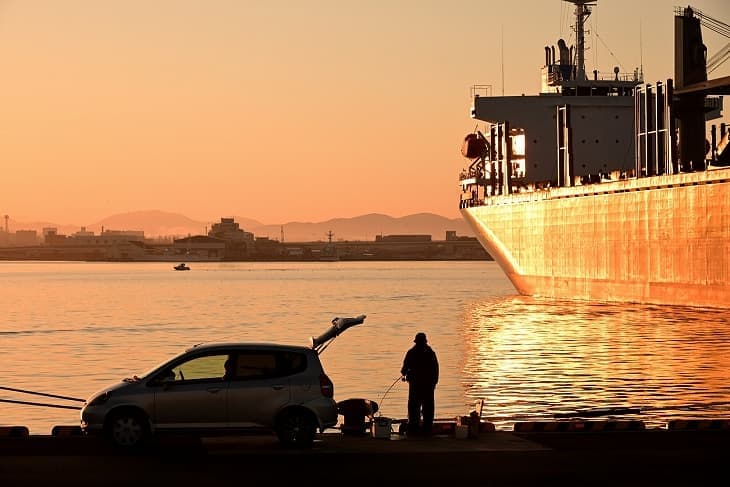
(355, 411)
(576, 426)
(66, 431)
(14, 432)
(698, 424)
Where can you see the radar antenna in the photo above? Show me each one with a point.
(582, 12)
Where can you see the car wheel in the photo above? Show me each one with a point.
(127, 429)
(296, 428)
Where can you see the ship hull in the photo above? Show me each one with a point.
(663, 240)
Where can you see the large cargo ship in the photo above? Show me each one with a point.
(606, 188)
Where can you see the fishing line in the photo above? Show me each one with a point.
(380, 404)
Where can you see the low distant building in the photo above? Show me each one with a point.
(52, 237)
(239, 244)
(19, 238)
(199, 247)
(26, 238)
(83, 233)
(266, 249)
(403, 238)
(84, 238)
(122, 235)
(451, 236)
(230, 231)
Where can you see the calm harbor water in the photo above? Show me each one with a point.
(70, 328)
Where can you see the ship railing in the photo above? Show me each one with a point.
(627, 77)
(480, 90)
(463, 175)
(713, 103)
(515, 198)
(626, 185)
(557, 73)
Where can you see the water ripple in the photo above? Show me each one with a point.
(528, 358)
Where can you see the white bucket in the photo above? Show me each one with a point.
(381, 427)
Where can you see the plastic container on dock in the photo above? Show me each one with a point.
(381, 427)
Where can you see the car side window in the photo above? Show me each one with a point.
(254, 364)
(207, 367)
(290, 363)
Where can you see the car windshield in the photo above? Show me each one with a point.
(149, 372)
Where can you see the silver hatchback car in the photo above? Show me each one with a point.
(219, 388)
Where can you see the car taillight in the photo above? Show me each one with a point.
(326, 386)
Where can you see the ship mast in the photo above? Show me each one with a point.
(582, 12)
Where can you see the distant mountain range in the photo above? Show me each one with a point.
(156, 223)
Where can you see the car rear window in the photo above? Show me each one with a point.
(268, 364)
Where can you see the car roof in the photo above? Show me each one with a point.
(212, 346)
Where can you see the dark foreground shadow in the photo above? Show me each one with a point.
(616, 459)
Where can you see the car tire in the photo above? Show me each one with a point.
(127, 429)
(296, 428)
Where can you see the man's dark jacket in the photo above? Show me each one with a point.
(420, 366)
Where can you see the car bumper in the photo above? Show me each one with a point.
(92, 420)
(326, 411)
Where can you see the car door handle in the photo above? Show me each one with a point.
(277, 388)
(213, 390)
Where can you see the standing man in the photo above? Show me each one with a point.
(421, 370)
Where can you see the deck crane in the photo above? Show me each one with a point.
(718, 27)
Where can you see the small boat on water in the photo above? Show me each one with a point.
(182, 267)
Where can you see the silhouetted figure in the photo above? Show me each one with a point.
(421, 370)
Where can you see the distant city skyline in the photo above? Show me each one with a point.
(156, 223)
(279, 111)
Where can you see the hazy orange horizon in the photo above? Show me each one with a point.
(277, 112)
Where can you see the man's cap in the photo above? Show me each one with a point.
(420, 338)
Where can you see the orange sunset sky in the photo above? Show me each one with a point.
(278, 111)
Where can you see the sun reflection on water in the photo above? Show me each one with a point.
(531, 359)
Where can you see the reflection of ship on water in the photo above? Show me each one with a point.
(602, 187)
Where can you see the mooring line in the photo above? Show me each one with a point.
(690, 406)
(40, 404)
(42, 394)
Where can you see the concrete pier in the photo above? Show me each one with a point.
(651, 457)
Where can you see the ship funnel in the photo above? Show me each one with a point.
(338, 326)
